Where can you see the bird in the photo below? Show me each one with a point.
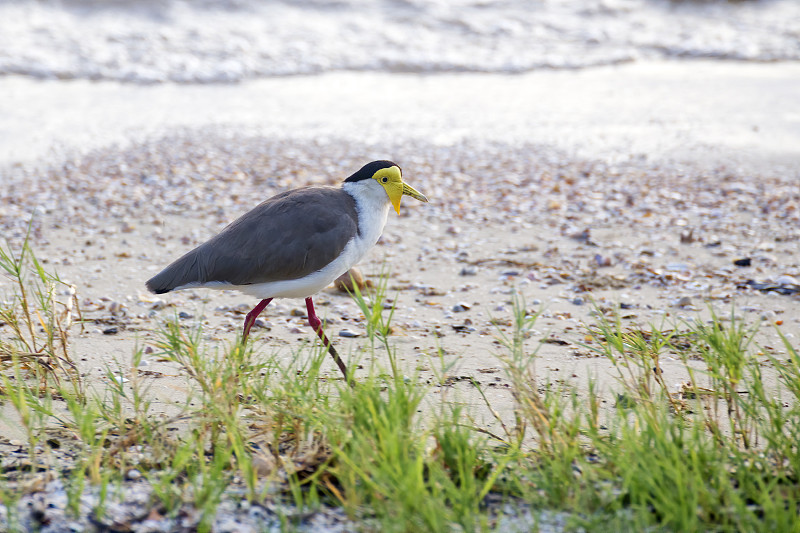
(294, 244)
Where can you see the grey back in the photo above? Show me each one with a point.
(286, 237)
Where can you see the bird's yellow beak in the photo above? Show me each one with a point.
(398, 190)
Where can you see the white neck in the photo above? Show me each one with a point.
(372, 204)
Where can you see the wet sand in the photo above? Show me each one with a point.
(715, 112)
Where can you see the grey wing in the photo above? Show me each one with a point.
(287, 237)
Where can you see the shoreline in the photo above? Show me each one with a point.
(682, 111)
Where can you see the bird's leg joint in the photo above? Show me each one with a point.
(250, 318)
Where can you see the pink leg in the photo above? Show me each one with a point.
(316, 325)
(251, 317)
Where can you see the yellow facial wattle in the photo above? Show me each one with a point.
(392, 181)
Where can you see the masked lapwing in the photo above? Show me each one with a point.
(294, 244)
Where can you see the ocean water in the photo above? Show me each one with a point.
(209, 41)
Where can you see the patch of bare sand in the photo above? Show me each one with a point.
(660, 239)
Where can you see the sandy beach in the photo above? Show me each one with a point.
(566, 187)
(661, 189)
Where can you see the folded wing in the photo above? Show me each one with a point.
(287, 237)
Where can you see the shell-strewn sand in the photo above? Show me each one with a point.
(574, 234)
(505, 215)
(502, 219)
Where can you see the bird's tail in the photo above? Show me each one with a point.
(182, 272)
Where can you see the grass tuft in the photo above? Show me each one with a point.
(719, 454)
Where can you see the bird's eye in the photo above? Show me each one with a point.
(384, 179)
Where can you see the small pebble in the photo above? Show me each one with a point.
(461, 307)
(468, 271)
(133, 475)
(110, 331)
(184, 314)
(349, 333)
(602, 261)
(578, 301)
(584, 236)
(261, 323)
